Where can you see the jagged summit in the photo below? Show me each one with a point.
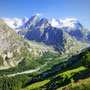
(33, 18)
(35, 21)
(30, 22)
(25, 19)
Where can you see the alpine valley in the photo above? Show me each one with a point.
(38, 54)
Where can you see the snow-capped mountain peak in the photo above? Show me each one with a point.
(68, 22)
(54, 23)
(34, 18)
(15, 22)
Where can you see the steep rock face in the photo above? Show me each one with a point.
(42, 31)
(13, 49)
(49, 35)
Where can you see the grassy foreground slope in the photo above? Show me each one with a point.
(80, 85)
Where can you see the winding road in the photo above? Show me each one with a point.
(25, 72)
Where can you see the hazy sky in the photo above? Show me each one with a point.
(79, 9)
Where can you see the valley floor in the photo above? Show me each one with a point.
(26, 72)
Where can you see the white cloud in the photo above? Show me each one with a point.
(38, 14)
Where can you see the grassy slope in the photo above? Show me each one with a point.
(80, 85)
(36, 85)
(72, 74)
(55, 81)
(65, 78)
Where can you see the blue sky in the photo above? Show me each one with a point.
(79, 9)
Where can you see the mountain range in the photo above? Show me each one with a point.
(41, 30)
(55, 39)
(70, 25)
